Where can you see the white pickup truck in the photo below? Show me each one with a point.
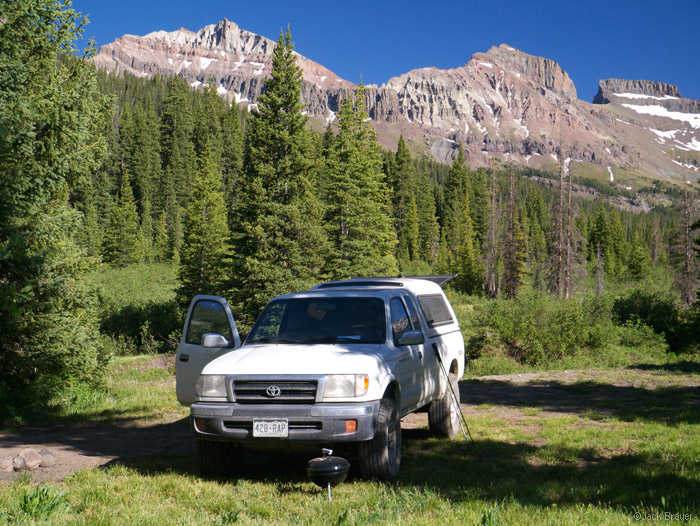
(339, 364)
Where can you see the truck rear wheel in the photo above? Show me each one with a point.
(217, 458)
(380, 458)
(443, 418)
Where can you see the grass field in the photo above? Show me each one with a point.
(609, 446)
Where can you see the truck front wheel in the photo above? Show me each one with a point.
(380, 458)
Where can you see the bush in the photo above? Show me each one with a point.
(533, 329)
(663, 314)
(537, 329)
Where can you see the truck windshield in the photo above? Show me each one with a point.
(321, 320)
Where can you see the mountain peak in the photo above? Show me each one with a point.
(642, 88)
(541, 70)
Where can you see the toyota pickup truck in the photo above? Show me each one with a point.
(336, 365)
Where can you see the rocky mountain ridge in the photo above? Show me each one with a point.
(503, 104)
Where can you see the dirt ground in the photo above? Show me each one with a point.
(505, 397)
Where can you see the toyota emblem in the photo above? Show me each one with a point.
(273, 391)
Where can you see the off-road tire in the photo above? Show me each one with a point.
(443, 418)
(217, 458)
(380, 458)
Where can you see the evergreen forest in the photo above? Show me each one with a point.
(102, 174)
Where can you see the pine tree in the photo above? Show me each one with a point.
(455, 188)
(231, 156)
(178, 153)
(121, 239)
(48, 148)
(205, 256)
(145, 234)
(557, 241)
(404, 203)
(602, 244)
(599, 233)
(445, 264)
(470, 270)
(491, 245)
(208, 133)
(279, 239)
(142, 158)
(428, 227)
(617, 247)
(514, 247)
(360, 225)
(479, 197)
(537, 252)
(538, 221)
(682, 248)
(161, 251)
(408, 244)
(656, 242)
(639, 261)
(328, 141)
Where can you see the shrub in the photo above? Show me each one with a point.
(663, 314)
(534, 328)
(537, 329)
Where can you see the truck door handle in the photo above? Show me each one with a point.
(184, 357)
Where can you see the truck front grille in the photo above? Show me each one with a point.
(275, 392)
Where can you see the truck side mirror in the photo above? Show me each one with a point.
(411, 338)
(214, 340)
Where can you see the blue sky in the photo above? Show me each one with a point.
(376, 40)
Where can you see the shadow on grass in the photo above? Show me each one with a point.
(488, 470)
(685, 366)
(670, 405)
(121, 441)
(495, 471)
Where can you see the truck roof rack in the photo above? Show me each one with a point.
(386, 281)
(376, 282)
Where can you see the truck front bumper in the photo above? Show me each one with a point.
(320, 422)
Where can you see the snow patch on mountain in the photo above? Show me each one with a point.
(659, 111)
(640, 96)
(665, 134)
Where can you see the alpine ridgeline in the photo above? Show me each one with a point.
(502, 104)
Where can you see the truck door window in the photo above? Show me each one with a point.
(399, 319)
(415, 320)
(207, 317)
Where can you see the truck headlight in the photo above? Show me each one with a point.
(346, 385)
(211, 386)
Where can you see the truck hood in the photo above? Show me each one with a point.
(278, 359)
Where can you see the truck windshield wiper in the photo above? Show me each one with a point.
(275, 340)
(324, 339)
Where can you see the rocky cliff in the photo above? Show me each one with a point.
(502, 104)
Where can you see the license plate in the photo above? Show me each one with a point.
(266, 427)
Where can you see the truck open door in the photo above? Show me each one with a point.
(209, 332)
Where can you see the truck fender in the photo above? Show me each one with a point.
(385, 385)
